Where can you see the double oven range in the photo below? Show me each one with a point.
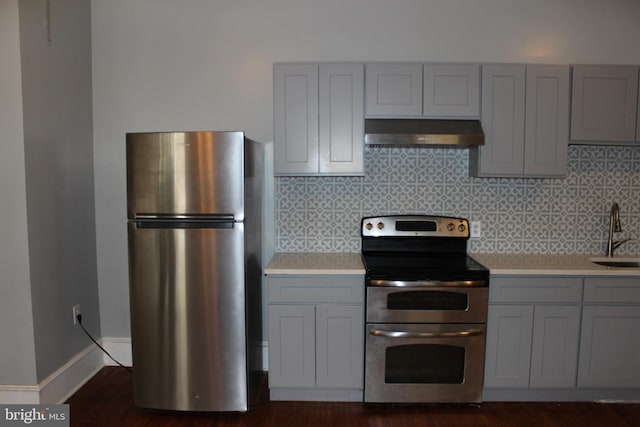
(426, 311)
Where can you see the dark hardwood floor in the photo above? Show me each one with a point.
(107, 400)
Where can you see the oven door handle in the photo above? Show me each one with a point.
(410, 334)
(427, 283)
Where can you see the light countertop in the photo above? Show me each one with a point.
(528, 264)
(498, 264)
(315, 263)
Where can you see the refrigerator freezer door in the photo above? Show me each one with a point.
(188, 323)
(185, 173)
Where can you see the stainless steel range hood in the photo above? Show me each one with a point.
(423, 132)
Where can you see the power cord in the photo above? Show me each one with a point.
(79, 319)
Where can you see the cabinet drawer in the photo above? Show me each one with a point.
(612, 289)
(316, 289)
(535, 289)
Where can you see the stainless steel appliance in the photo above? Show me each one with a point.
(423, 133)
(426, 311)
(193, 206)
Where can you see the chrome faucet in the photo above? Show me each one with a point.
(614, 227)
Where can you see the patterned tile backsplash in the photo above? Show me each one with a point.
(542, 216)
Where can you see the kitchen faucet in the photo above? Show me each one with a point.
(614, 227)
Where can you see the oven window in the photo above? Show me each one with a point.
(427, 300)
(424, 364)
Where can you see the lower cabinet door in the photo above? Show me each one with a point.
(508, 346)
(610, 347)
(339, 346)
(554, 348)
(292, 346)
(316, 346)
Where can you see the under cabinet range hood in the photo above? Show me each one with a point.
(423, 133)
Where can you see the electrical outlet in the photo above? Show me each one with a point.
(476, 227)
(76, 312)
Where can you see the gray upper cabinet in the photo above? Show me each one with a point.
(451, 90)
(604, 106)
(422, 90)
(318, 119)
(341, 88)
(525, 116)
(393, 90)
(503, 98)
(546, 136)
(295, 110)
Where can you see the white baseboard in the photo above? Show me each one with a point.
(19, 394)
(119, 349)
(61, 384)
(65, 381)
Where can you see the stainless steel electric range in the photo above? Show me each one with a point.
(426, 310)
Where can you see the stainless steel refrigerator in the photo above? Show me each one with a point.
(194, 220)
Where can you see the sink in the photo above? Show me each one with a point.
(627, 262)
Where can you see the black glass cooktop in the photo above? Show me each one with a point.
(417, 266)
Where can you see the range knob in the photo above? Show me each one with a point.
(451, 227)
(462, 228)
(368, 226)
(380, 226)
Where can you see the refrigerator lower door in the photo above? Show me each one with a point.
(187, 296)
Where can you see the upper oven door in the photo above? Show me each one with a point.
(427, 304)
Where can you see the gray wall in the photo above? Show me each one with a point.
(58, 146)
(48, 260)
(200, 64)
(17, 352)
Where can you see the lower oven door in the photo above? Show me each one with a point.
(414, 363)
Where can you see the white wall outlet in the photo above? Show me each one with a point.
(476, 229)
(76, 312)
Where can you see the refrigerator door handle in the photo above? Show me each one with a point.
(184, 223)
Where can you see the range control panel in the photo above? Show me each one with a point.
(415, 225)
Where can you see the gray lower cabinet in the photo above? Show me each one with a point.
(525, 116)
(316, 337)
(554, 348)
(610, 338)
(563, 338)
(508, 346)
(532, 346)
(318, 119)
(532, 332)
(604, 104)
(610, 347)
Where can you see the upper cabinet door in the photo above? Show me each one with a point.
(295, 111)
(318, 119)
(451, 90)
(546, 120)
(394, 90)
(341, 88)
(604, 103)
(503, 102)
